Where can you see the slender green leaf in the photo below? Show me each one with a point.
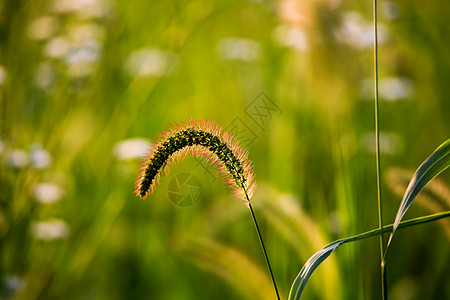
(310, 266)
(438, 161)
(320, 256)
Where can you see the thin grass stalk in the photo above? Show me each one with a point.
(377, 143)
(264, 249)
(261, 242)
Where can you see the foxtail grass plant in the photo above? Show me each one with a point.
(219, 148)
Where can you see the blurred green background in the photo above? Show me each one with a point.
(86, 84)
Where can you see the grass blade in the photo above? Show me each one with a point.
(310, 266)
(434, 197)
(320, 256)
(438, 161)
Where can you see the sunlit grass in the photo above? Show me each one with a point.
(316, 152)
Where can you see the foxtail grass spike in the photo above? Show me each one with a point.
(203, 139)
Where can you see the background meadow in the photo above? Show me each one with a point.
(86, 84)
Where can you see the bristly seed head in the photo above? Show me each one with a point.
(205, 140)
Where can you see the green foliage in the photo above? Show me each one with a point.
(82, 80)
(438, 161)
(320, 256)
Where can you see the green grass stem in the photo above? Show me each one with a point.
(377, 143)
(264, 249)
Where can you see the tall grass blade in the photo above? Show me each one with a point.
(438, 161)
(320, 256)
